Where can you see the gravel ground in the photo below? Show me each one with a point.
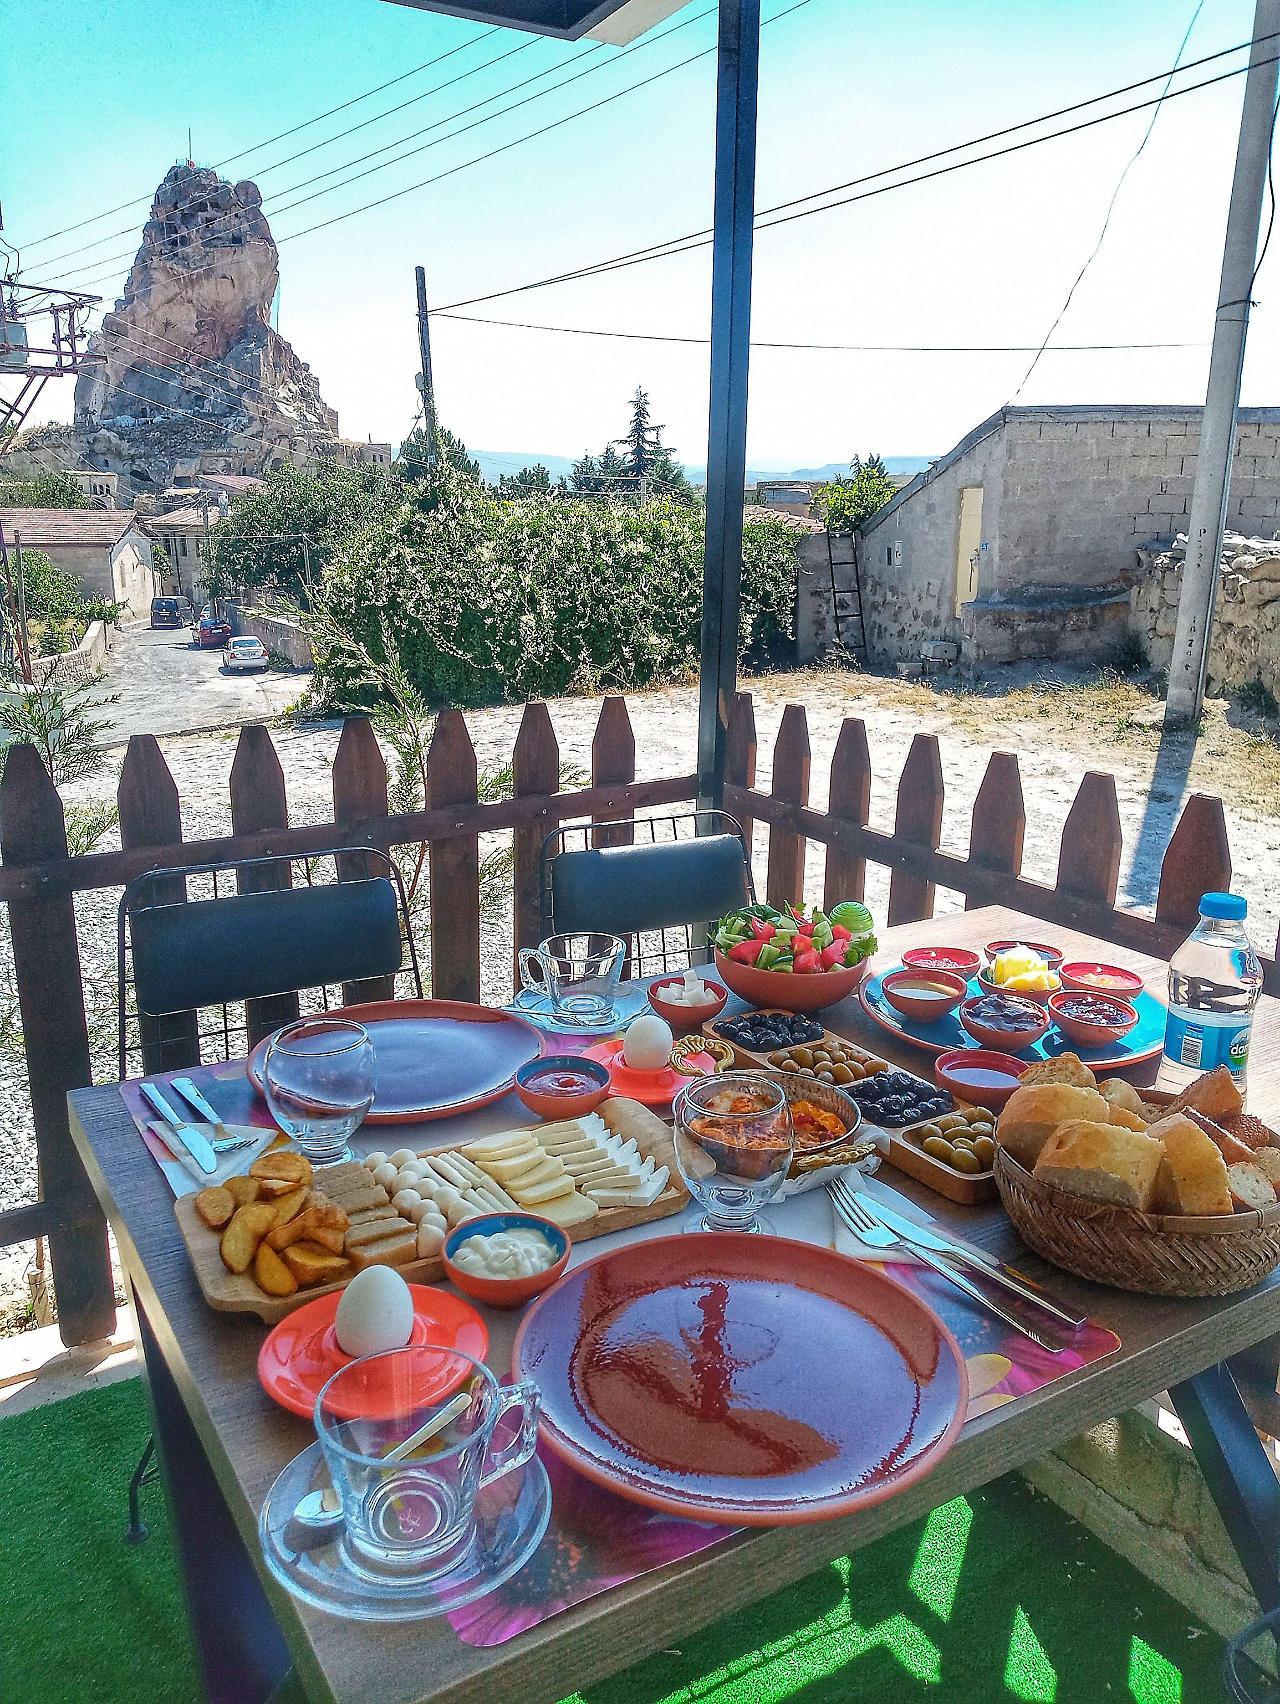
(1054, 751)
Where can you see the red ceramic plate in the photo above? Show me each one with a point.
(650, 1088)
(434, 1057)
(301, 1353)
(750, 1381)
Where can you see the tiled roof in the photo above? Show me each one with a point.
(181, 518)
(86, 527)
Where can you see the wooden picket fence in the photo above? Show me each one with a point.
(38, 879)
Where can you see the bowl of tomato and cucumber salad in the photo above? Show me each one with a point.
(796, 957)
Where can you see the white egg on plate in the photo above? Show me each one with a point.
(375, 1312)
(647, 1044)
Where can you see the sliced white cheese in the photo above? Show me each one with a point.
(619, 1195)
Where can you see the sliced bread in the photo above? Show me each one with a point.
(1104, 1162)
(1193, 1174)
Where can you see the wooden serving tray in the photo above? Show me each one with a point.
(232, 1292)
(968, 1189)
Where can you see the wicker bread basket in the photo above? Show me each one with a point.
(1157, 1254)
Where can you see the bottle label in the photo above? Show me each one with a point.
(1205, 1046)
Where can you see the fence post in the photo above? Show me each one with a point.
(785, 879)
(454, 865)
(740, 760)
(918, 820)
(613, 759)
(1196, 861)
(999, 822)
(849, 797)
(360, 793)
(258, 802)
(151, 815)
(535, 770)
(1089, 853)
(46, 963)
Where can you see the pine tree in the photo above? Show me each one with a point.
(585, 476)
(611, 471)
(649, 462)
(532, 481)
(452, 452)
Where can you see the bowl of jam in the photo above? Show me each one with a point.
(959, 960)
(1092, 1020)
(924, 995)
(1007, 1022)
(562, 1085)
(1090, 976)
(978, 1075)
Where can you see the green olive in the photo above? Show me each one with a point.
(803, 1056)
(976, 1115)
(790, 1065)
(825, 1074)
(985, 1149)
(938, 1148)
(951, 1121)
(977, 1130)
(962, 1142)
(927, 1133)
(965, 1160)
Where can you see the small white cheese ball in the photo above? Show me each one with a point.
(385, 1174)
(430, 1239)
(404, 1199)
(375, 1159)
(406, 1179)
(402, 1157)
(451, 1204)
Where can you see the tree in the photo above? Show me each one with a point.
(648, 463)
(53, 489)
(845, 504)
(611, 472)
(585, 477)
(415, 455)
(532, 481)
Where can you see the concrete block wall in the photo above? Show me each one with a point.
(276, 634)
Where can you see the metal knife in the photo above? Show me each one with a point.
(978, 1260)
(196, 1101)
(197, 1144)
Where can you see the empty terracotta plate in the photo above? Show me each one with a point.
(751, 1381)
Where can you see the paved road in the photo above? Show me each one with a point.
(167, 686)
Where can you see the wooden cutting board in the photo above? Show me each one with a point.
(232, 1292)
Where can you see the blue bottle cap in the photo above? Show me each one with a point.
(1229, 905)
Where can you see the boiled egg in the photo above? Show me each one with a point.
(375, 1313)
(647, 1044)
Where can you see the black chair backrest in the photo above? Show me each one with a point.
(625, 890)
(210, 952)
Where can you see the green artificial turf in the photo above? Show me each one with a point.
(994, 1598)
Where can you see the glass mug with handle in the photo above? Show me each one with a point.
(319, 1079)
(408, 1439)
(578, 973)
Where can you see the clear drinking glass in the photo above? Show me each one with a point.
(408, 1438)
(578, 973)
(733, 1141)
(319, 1081)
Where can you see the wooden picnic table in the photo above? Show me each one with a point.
(222, 1441)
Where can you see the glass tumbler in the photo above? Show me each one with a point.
(319, 1079)
(733, 1142)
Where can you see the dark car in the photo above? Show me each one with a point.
(213, 630)
(170, 612)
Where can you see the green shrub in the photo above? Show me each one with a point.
(485, 601)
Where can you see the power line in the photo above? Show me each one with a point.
(279, 137)
(692, 240)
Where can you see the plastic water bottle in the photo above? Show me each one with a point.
(1214, 983)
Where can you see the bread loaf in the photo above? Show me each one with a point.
(1104, 1162)
(1031, 1115)
(1215, 1094)
(1268, 1160)
(1066, 1068)
(1119, 1093)
(1250, 1189)
(1193, 1174)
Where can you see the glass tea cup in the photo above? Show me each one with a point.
(408, 1439)
(734, 1143)
(319, 1079)
(578, 973)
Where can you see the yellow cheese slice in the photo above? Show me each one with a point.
(531, 1194)
(568, 1210)
(507, 1171)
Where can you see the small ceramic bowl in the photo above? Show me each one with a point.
(1052, 956)
(978, 1076)
(799, 1086)
(536, 1079)
(1115, 1018)
(1005, 1040)
(685, 1019)
(1041, 996)
(505, 1292)
(923, 1008)
(958, 960)
(1116, 983)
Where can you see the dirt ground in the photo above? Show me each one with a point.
(1059, 728)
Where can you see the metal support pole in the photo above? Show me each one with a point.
(428, 383)
(736, 81)
(1218, 427)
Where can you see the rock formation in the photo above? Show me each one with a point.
(192, 368)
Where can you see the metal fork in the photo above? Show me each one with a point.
(870, 1232)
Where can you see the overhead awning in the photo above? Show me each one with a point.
(614, 21)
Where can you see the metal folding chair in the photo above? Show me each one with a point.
(1245, 1677)
(655, 881)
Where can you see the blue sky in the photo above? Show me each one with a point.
(982, 256)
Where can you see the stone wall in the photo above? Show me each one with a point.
(1244, 643)
(275, 632)
(78, 667)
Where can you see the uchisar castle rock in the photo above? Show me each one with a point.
(191, 366)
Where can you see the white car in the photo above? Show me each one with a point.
(243, 656)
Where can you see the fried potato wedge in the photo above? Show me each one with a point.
(282, 1163)
(289, 1206)
(273, 1188)
(242, 1190)
(249, 1226)
(271, 1274)
(311, 1264)
(215, 1206)
(324, 1225)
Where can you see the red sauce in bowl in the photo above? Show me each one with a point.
(561, 1080)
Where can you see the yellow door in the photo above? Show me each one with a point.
(968, 544)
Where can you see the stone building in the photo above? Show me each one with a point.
(106, 550)
(1023, 540)
(182, 532)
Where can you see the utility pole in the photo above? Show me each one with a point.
(425, 382)
(1208, 517)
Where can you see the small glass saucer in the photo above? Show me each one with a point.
(511, 1518)
(628, 1003)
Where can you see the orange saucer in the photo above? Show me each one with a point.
(650, 1088)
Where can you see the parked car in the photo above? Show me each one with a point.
(212, 630)
(244, 655)
(170, 612)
